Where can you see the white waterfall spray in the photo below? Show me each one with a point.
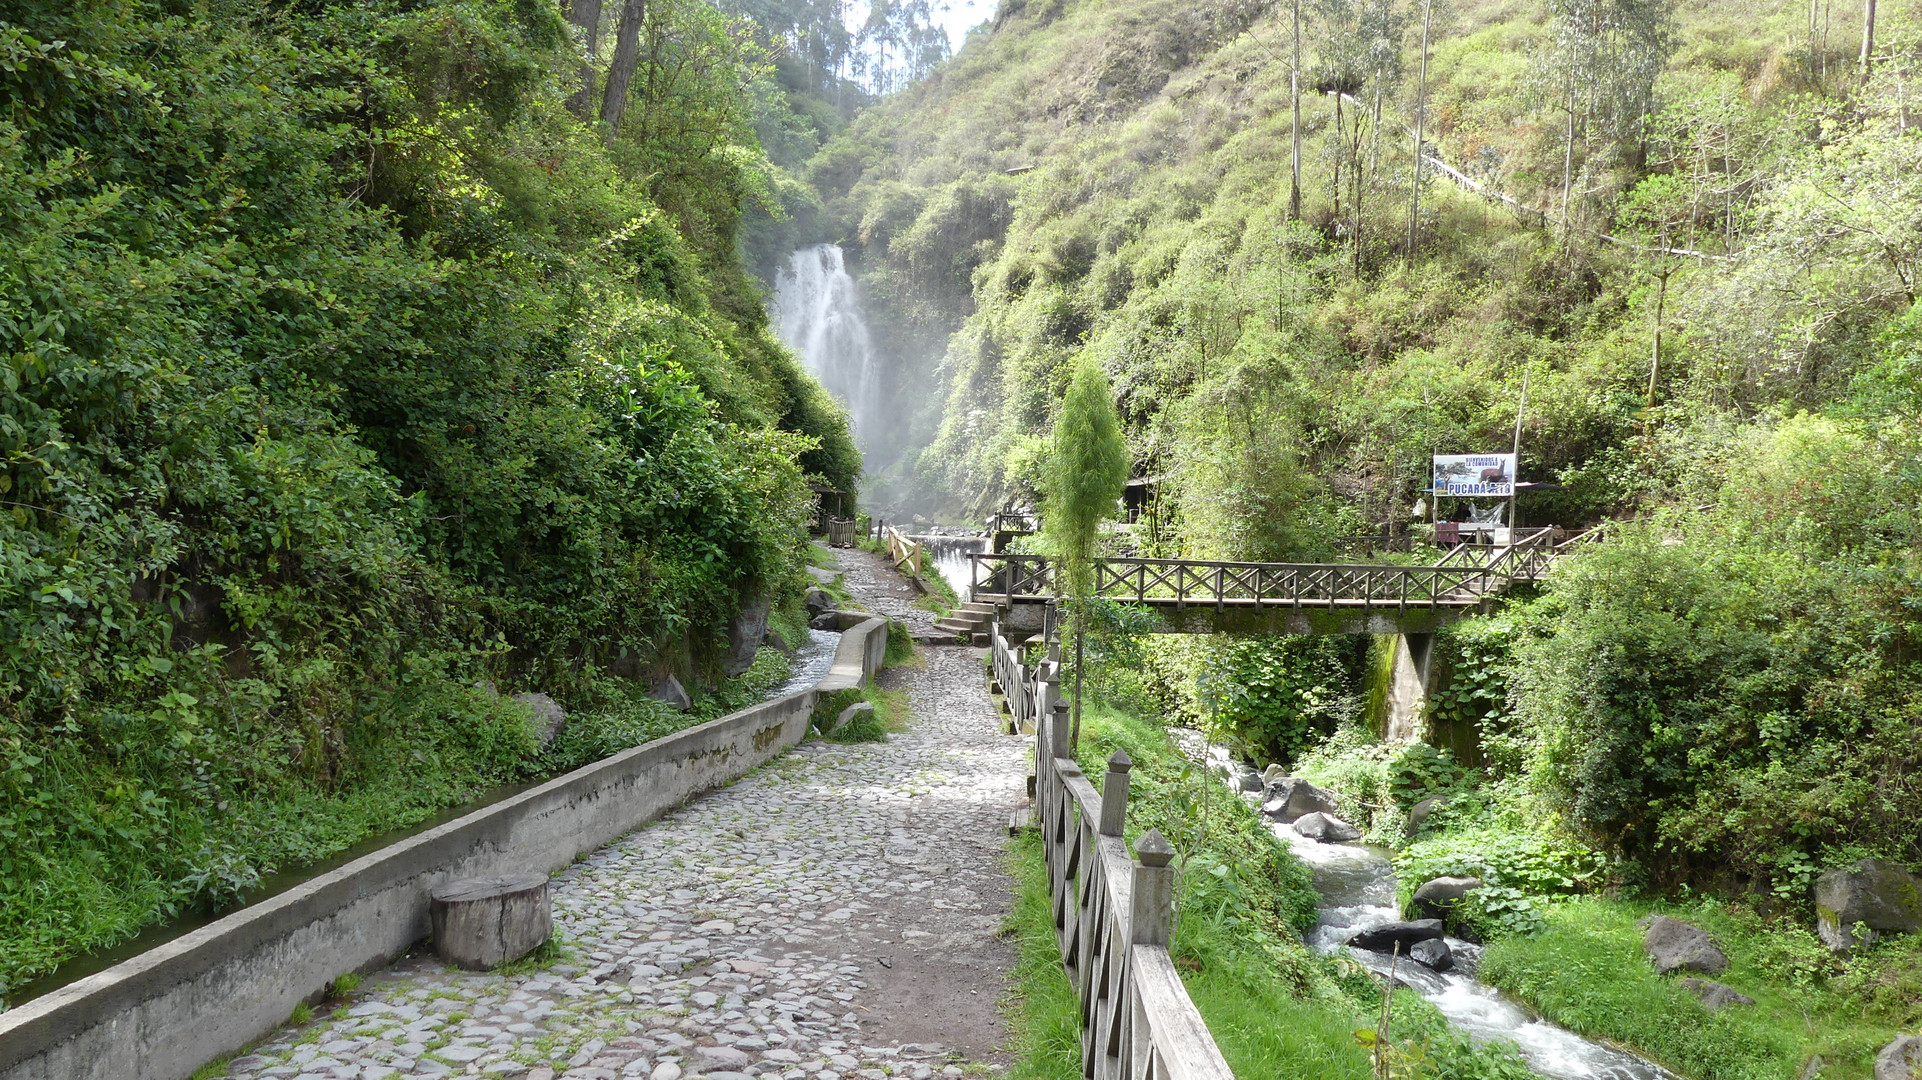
(819, 314)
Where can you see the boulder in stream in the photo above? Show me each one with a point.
(1717, 996)
(1249, 780)
(1326, 828)
(1865, 901)
(817, 601)
(1385, 937)
(1419, 812)
(1678, 946)
(1900, 1060)
(1290, 797)
(827, 620)
(1433, 953)
(1437, 896)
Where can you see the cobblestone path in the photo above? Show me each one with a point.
(831, 916)
(874, 581)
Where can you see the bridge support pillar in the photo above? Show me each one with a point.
(1408, 687)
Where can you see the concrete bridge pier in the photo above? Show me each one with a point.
(1408, 683)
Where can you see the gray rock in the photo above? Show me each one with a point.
(1290, 797)
(1249, 780)
(1900, 1060)
(1419, 812)
(1384, 938)
(852, 713)
(1437, 896)
(1433, 953)
(817, 601)
(671, 691)
(775, 641)
(549, 719)
(1678, 946)
(1271, 774)
(1862, 903)
(711, 1058)
(827, 620)
(1717, 996)
(822, 577)
(1327, 828)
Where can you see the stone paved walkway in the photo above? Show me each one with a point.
(831, 916)
(874, 581)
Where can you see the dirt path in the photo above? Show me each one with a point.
(830, 916)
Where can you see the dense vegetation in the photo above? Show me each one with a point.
(1710, 299)
(351, 383)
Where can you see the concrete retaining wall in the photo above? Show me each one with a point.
(864, 645)
(166, 1012)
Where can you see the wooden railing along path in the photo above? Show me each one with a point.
(1462, 578)
(1113, 913)
(906, 554)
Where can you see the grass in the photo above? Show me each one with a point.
(890, 714)
(1044, 1020)
(1587, 972)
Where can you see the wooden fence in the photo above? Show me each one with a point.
(1461, 578)
(1113, 913)
(907, 554)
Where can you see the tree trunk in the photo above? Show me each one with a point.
(1868, 39)
(1421, 113)
(1340, 152)
(586, 14)
(1568, 162)
(1294, 97)
(620, 71)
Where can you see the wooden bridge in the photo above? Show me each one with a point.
(1202, 596)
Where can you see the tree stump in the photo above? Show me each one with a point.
(481, 923)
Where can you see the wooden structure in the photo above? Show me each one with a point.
(1207, 596)
(481, 923)
(1113, 913)
(842, 532)
(906, 554)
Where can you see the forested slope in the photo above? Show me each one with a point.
(1709, 291)
(351, 382)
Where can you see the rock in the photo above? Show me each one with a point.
(1860, 904)
(1419, 812)
(822, 577)
(827, 620)
(1249, 780)
(1678, 946)
(1290, 797)
(1717, 996)
(1327, 828)
(1271, 774)
(1437, 896)
(1384, 938)
(817, 601)
(852, 713)
(671, 691)
(480, 923)
(1432, 952)
(549, 719)
(745, 632)
(1813, 1069)
(1901, 1059)
(775, 641)
(711, 1058)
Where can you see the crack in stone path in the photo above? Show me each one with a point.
(831, 916)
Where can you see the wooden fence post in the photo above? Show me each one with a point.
(1114, 794)
(1058, 731)
(1151, 922)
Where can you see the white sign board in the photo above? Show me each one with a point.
(1483, 475)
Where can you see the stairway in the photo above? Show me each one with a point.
(971, 619)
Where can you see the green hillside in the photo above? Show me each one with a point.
(351, 383)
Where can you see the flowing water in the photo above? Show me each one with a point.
(811, 663)
(949, 554)
(818, 309)
(1357, 886)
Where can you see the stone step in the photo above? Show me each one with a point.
(977, 606)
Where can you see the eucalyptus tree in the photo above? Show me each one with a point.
(1600, 67)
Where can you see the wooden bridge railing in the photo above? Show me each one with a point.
(1113, 913)
(905, 553)
(1461, 578)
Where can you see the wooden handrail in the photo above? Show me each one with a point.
(1113, 913)
(906, 553)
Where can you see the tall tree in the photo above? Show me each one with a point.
(1421, 114)
(1294, 99)
(586, 16)
(620, 70)
(1089, 472)
(1868, 39)
(1600, 66)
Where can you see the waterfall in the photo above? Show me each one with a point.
(818, 311)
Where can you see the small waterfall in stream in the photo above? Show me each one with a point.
(949, 555)
(818, 310)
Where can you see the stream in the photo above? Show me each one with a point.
(1357, 886)
(950, 556)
